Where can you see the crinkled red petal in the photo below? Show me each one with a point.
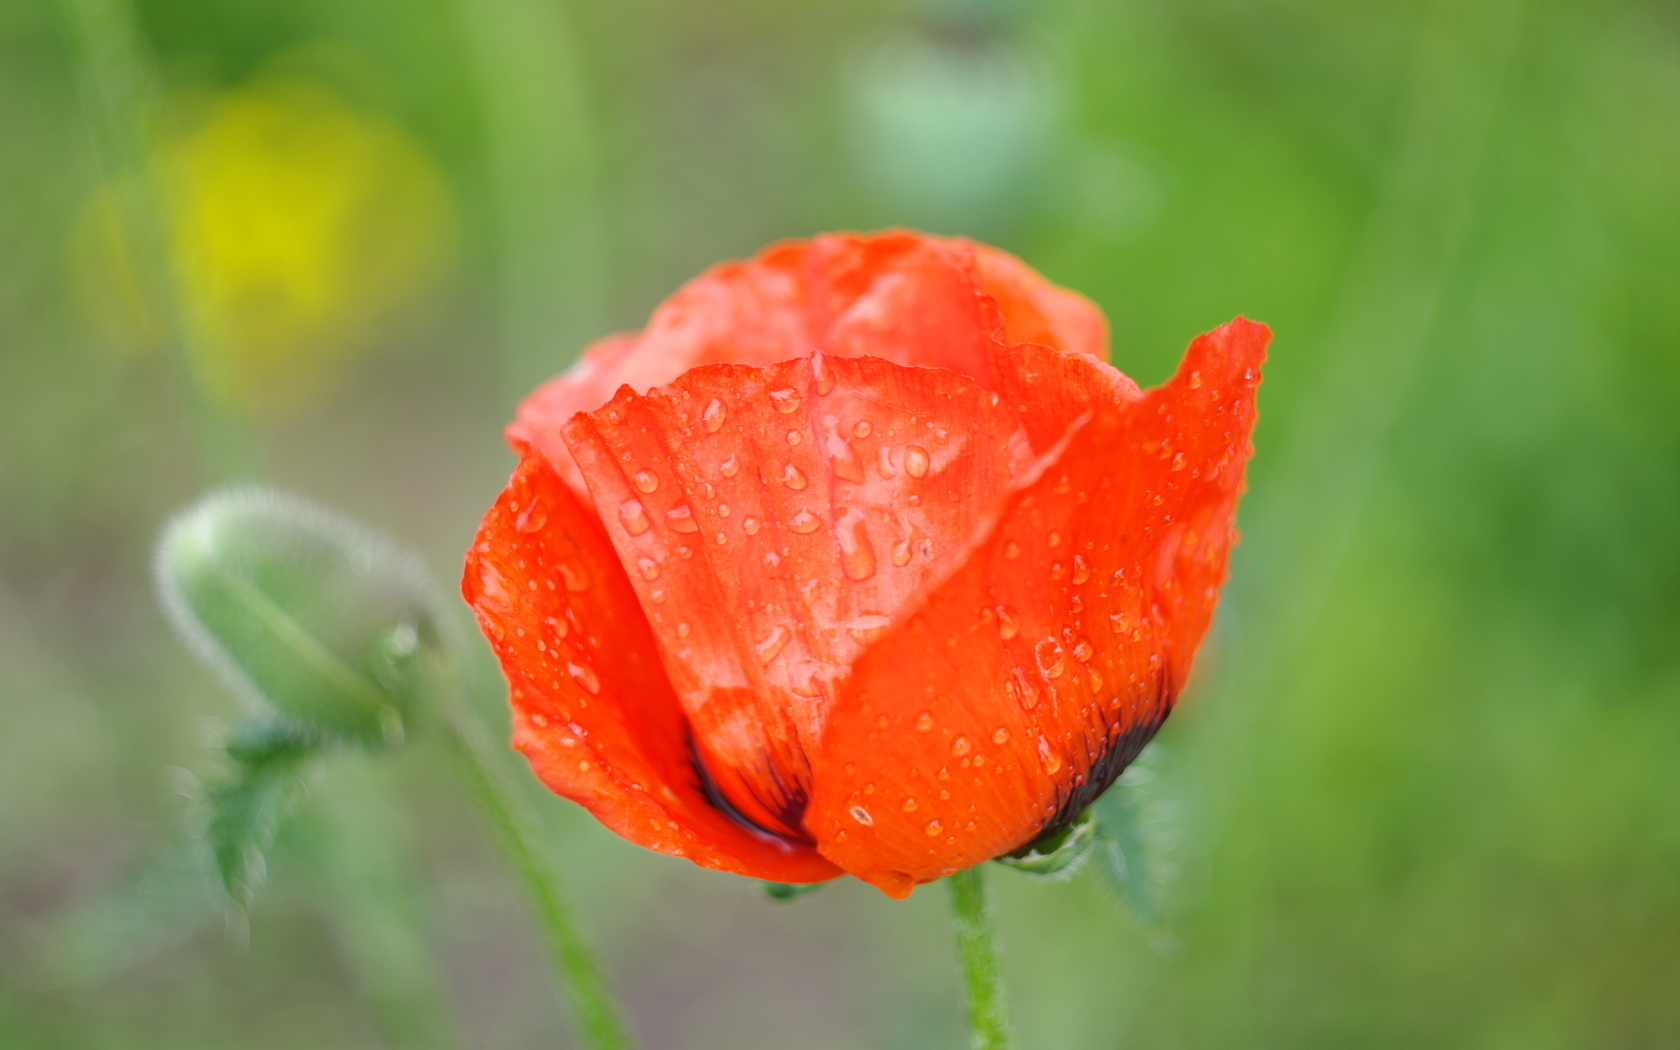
(775, 520)
(593, 710)
(1017, 690)
(903, 297)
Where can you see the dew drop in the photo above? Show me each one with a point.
(794, 437)
(804, 522)
(648, 568)
(846, 465)
(1051, 660)
(786, 400)
(772, 645)
(884, 463)
(722, 538)
(723, 510)
(857, 555)
(1081, 569)
(713, 416)
(1008, 625)
(1063, 485)
(862, 428)
(1083, 650)
(750, 526)
(961, 746)
(683, 629)
(933, 827)
(793, 477)
(1096, 679)
(1058, 571)
(681, 518)
(861, 815)
(868, 626)
(1047, 756)
(1011, 550)
(634, 517)
(1178, 461)
(731, 466)
(901, 552)
(909, 805)
(1120, 622)
(1001, 736)
(924, 721)
(685, 553)
(646, 480)
(583, 675)
(1054, 539)
(532, 517)
(825, 378)
(577, 580)
(915, 461)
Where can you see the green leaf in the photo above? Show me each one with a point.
(1061, 854)
(790, 891)
(305, 613)
(246, 805)
(1133, 838)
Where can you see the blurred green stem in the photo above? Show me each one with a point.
(582, 980)
(988, 1002)
(551, 259)
(118, 89)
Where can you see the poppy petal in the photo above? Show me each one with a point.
(776, 519)
(593, 710)
(900, 296)
(1012, 695)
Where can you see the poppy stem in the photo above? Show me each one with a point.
(581, 979)
(988, 1003)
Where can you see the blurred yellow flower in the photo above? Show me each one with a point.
(300, 227)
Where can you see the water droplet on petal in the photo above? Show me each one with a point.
(867, 627)
(933, 827)
(646, 480)
(1001, 736)
(804, 522)
(577, 579)
(857, 555)
(862, 428)
(915, 461)
(583, 675)
(1052, 762)
(532, 517)
(962, 745)
(723, 510)
(1011, 550)
(1051, 659)
(1008, 625)
(794, 437)
(924, 721)
(713, 416)
(1083, 650)
(786, 400)
(1096, 679)
(909, 805)
(846, 465)
(683, 629)
(731, 466)
(1054, 539)
(681, 518)
(772, 645)
(793, 477)
(901, 552)
(648, 568)
(634, 517)
(1081, 569)
(750, 526)
(885, 463)
(861, 815)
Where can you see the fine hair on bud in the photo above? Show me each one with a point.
(305, 613)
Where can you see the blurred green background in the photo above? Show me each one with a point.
(1425, 787)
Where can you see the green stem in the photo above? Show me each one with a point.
(580, 978)
(988, 1003)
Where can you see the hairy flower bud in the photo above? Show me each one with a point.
(304, 611)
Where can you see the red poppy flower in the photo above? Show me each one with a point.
(871, 563)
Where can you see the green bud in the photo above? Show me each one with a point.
(1061, 854)
(305, 612)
